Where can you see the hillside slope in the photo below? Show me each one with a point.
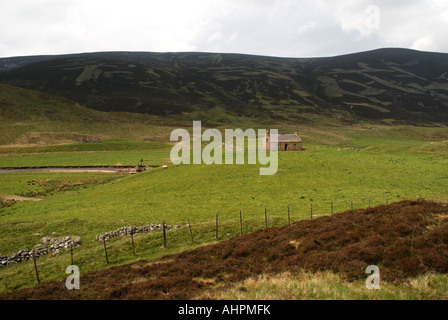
(387, 85)
(33, 117)
(403, 239)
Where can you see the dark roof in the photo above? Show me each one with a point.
(288, 137)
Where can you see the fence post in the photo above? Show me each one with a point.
(164, 233)
(351, 205)
(289, 217)
(387, 200)
(191, 232)
(311, 210)
(265, 217)
(132, 239)
(105, 250)
(71, 250)
(241, 222)
(35, 267)
(216, 225)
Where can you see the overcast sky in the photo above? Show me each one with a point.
(285, 28)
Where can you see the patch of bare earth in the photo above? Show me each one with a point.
(18, 198)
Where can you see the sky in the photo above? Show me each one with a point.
(283, 28)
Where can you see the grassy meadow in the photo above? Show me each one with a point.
(353, 166)
(330, 286)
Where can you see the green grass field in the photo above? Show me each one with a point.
(105, 145)
(323, 175)
(104, 153)
(330, 286)
(109, 158)
(44, 183)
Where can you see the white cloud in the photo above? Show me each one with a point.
(310, 25)
(424, 43)
(402, 23)
(271, 27)
(233, 37)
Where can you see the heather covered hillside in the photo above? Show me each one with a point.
(406, 240)
(398, 86)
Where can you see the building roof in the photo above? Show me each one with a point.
(288, 137)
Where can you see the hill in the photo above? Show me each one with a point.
(404, 240)
(38, 118)
(387, 85)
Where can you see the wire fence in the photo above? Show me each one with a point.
(241, 223)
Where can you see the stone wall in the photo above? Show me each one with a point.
(53, 245)
(48, 245)
(289, 146)
(126, 231)
(90, 140)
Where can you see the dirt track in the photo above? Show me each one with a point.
(404, 239)
(104, 169)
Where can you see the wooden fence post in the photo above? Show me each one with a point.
(216, 225)
(71, 251)
(132, 239)
(351, 205)
(164, 233)
(265, 217)
(311, 210)
(191, 233)
(387, 201)
(105, 250)
(35, 268)
(241, 222)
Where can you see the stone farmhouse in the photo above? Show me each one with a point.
(286, 142)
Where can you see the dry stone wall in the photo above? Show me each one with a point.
(48, 245)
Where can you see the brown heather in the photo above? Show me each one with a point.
(404, 239)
